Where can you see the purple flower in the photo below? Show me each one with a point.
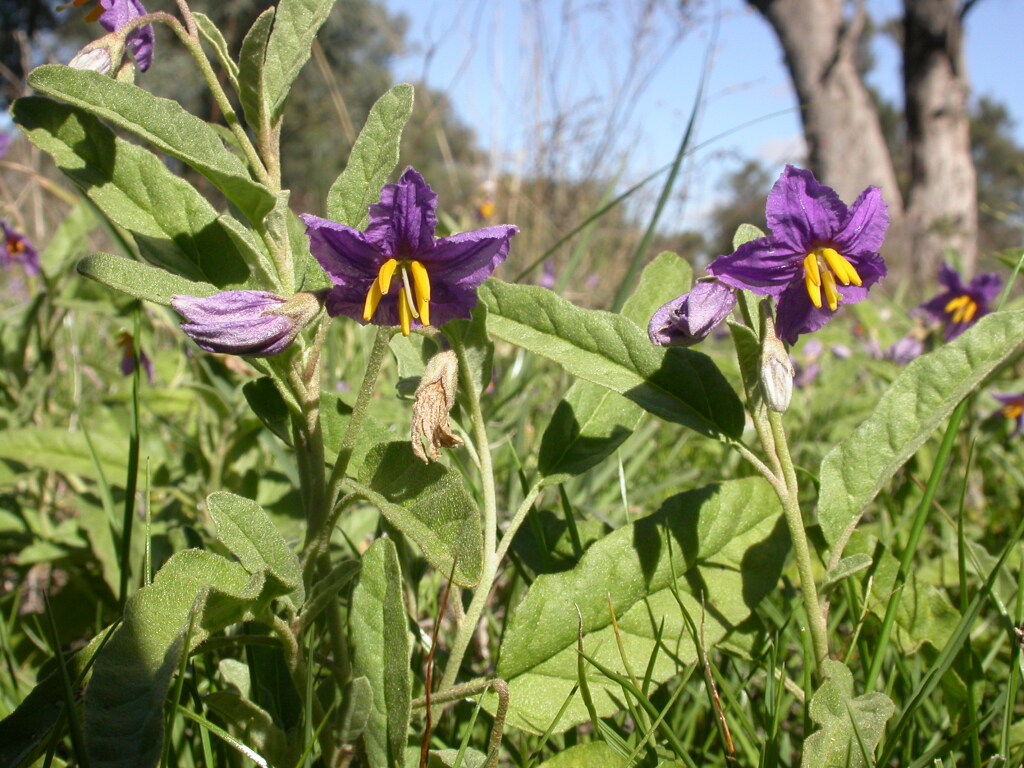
(819, 254)
(960, 306)
(114, 14)
(905, 351)
(250, 323)
(17, 249)
(5, 143)
(128, 356)
(690, 318)
(396, 273)
(1013, 408)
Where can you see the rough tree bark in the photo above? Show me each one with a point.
(841, 126)
(942, 201)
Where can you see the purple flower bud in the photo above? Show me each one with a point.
(690, 318)
(250, 323)
(112, 16)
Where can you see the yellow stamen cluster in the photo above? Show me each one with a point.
(413, 293)
(94, 14)
(15, 247)
(1013, 410)
(962, 309)
(822, 268)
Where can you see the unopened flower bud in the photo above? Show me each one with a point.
(690, 318)
(776, 371)
(101, 55)
(250, 323)
(435, 397)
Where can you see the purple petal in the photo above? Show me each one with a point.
(17, 249)
(984, 289)
(801, 212)
(469, 257)
(950, 278)
(796, 314)
(237, 322)
(402, 224)
(690, 318)
(116, 14)
(864, 230)
(765, 266)
(343, 252)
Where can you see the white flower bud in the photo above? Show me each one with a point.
(776, 371)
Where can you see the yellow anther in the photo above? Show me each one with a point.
(404, 313)
(957, 303)
(387, 271)
(970, 309)
(811, 272)
(814, 291)
(95, 13)
(832, 296)
(1013, 410)
(373, 297)
(421, 282)
(842, 268)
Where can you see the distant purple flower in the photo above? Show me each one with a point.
(18, 250)
(250, 323)
(114, 14)
(905, 351)
(1013, 409)
(5, 143)
(819, 254)
(396, 273)
(688, 320)
(128, 356)
(961, 306)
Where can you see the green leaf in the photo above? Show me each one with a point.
(917, 402)
(69, 241)
(849, 727)
(678, 385)
(251, 63)
(429, 504)
(744, 234)
(380, 652)
(254, 724)
(591, 422)
(68, 454)
(250, 534)
(163, 123)
(174, 226)
(373, 158)
(295, 25)
(140, 280)
(212, 36)
(477, 346)
(723, 544)
(195, 590)
(596, 754)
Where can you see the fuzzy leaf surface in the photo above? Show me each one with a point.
(591, 422)
(163, 123)
(429, 504)
(725, 543)
(917, 402)
(373, 158)
(380, 652)
(251, 62)
(678, 385)
(174, 226)
(141, 280)
(296, 23)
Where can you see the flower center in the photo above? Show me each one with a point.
(1013, 410)
(413, 293)
(823, 267)
(962, 309)
(15, 247)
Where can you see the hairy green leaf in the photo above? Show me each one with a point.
(250, 534)
(295, 26)
(372, 160)
(591, 421)
(212, 36)
(380, 652)
(720, 548)
(596, 754)
(849, 728)
(251, 63)
(163, 123)
(174, 226)
(195, 594)
(678, 385)
(917, 402)
(140, 280)
(429, 504)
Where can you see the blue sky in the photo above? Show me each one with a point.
(510, 66)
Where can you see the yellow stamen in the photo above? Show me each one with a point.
(1013, 410)
(832, 296)
(373, 297)
(95, 13)
(813, 290)
(404, 313)
(962, 309)
(811, 271)
(421, 281)
(842, 268)
(969, 311)
(957, 303)
(387, 271)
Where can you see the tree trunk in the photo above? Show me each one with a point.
(942, 204)
(841, 126)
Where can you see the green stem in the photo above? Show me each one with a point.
(355, 421)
